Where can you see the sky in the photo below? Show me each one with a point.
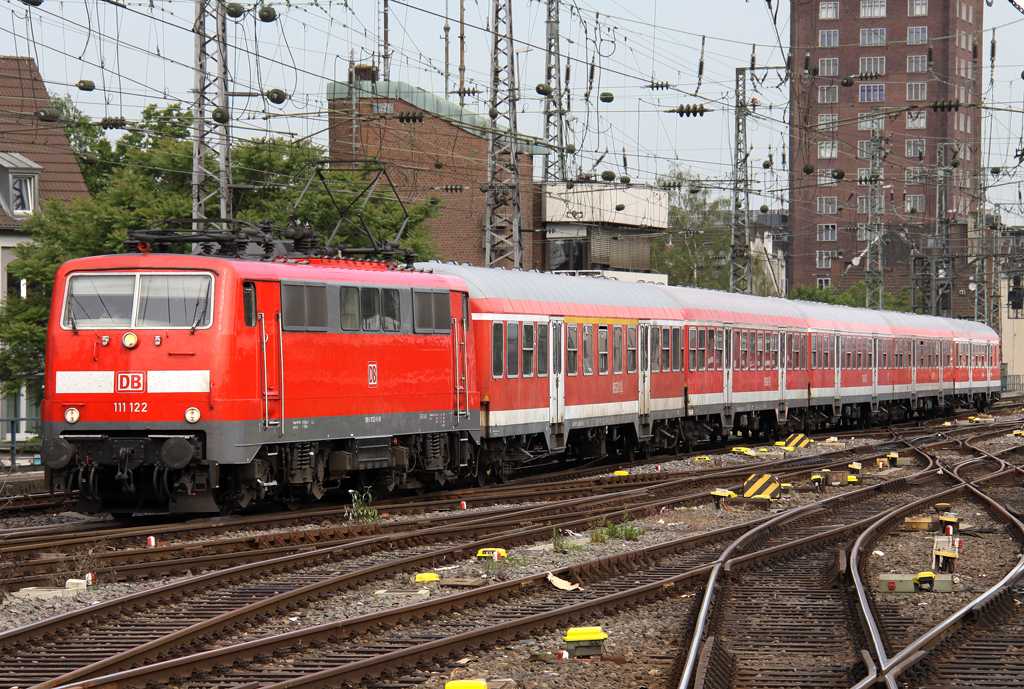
(139, 53)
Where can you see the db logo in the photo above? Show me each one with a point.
(371, 374)
(131, 381)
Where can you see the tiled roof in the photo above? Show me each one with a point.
(22, 95)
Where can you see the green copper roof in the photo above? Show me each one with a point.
(431, 103)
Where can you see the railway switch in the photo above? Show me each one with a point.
(496, 554)
(950, 522)
(583, 642)
(945, 552)
(912, 583)
(854, 467)
(718, 493)
(428, 579)
(925, 581)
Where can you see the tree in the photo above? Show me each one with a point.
(146, 176)
(695, 248)
(855, 295)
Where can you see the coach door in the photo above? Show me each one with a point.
(837, 366)
(645, 371)
(556, 383)
(874, 373)
(783, 402)
(460, 357)
(271, 357)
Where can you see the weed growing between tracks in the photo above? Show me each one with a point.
(360, 510)
(624, 530)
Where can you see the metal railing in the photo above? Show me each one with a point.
(1014, 383)
(11, 446)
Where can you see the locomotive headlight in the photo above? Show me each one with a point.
(71, 415)
(192, 415)
(130, 340)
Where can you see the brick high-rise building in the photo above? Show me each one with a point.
(874, 68)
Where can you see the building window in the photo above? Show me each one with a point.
(828, 10)
(915, 203)
(828, 94)
(872, 36)
(828, 39)
(915, 175)
(917, 63)
(872, 93)
(827, 233)
(917, 8)
(824, 283)
(828, 149)
(917, 119)
(828, 205)
(864, 205)
(828, 67)
(871, 121)
(23, 194)
(872, 8)
(916, 35)
(825, 178)
(862, 232)
(828, 122)
(915, 148)
(863, 149)
(872, 66)
(917, 91)
(824, 258)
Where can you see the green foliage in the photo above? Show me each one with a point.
(360, 511)
(625, 530)
(695, 251)
(855, 295)
(492, 566)
(146, 176)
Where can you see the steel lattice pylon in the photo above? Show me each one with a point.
(554, 120)
(740, 267)
(875, 292)
(211, 92)
(503, 224)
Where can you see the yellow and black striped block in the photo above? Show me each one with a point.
(798, 440)
(762, 486)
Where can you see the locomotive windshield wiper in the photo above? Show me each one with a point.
(201, 314)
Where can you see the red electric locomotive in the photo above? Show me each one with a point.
(204, 383)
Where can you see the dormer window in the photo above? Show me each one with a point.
(19, 184)
(23, 194)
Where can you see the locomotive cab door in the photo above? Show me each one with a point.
(556, 385)
(460, 357)
(271, 357)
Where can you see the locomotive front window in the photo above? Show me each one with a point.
(369, 307)
(178, 300)
(350, 308)
(391, 310)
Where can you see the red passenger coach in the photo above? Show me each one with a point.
(205, 383)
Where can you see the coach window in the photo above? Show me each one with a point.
(617, 349)
(675, 349)
(803, 350)
(542, 350)
(860, 352)
(391, 310)
(719, 342)
(760, 350)
(775, 351)
(527, 350)
(666, 346)
(826, 345)
(709, 348)
(512, 350)
(920, 353)
(602, 349)
(249, 303)
(588, 350)
(655, 348)
(693, 349)
(871, 352)
(571, 349)
(631, 349)
(735, 350)
(743, 350)
(497, 349)
(753, 350)
(701, 345)
(369, 307)
(350, 308)
(556, 349)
